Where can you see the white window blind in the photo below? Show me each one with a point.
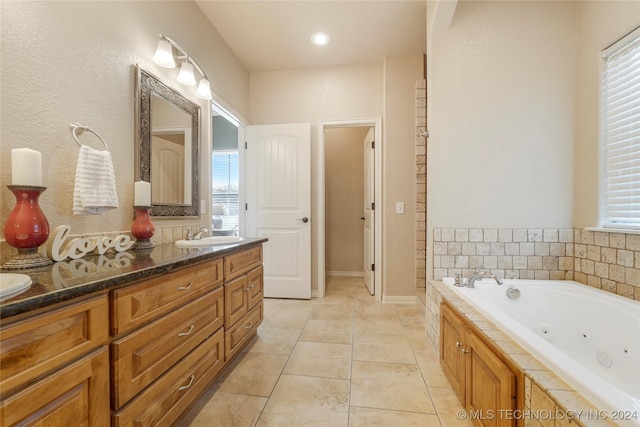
(224, 167)
(621, 117)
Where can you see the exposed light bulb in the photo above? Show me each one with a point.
(204, 89)
(185, 76)
(320, 39)
(164, 55)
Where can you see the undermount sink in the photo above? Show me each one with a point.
(209, 241)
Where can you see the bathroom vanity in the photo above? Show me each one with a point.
(130, 342)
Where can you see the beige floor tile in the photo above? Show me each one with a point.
(391, 348)
(335, 331)
(410, 315)
(374, 325)
(256, 374)
(338, 297)
(230, 410)
(389, 386)
(320, 360)
(448, 407)
(368, 417)
(429, 363)
(275, 340)
(287, 315)
(343, 312)
(417, 335)
(307, 401)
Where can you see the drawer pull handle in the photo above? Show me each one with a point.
(184, 387)
(184, 288)
(249, 325)
(184, 334)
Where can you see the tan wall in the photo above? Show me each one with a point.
(344, 199)
(399, 174)
(74, 61)
(600, 23)
(500, 108)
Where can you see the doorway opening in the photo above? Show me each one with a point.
(346, 228)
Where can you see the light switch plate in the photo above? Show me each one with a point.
(399, 207)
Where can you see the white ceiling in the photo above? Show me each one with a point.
(275, 35)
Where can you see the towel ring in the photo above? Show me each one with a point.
(77, 129)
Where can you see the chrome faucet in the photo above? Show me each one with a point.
(198, 235)
(201, 230)
(481, 274)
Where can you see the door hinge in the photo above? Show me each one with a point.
(246, 206)
(373, 145)
(373, 206)
(373, 267)
(245, 145)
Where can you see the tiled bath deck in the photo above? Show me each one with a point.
(343, 360)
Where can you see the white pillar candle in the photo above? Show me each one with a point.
(26, 167)
(142, 194)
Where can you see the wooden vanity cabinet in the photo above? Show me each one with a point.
(485, 384)
(54, 366)
(243, 291)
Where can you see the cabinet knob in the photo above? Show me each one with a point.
(465, 351)
(458, 344)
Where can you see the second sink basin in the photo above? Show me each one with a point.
(209, 241)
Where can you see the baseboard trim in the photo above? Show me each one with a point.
(409, 300)
(344, 274)
(314, 293)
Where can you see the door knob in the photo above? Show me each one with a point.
(362, 218)
(304, 219)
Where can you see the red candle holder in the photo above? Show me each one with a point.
(26, 228)
(142, 228)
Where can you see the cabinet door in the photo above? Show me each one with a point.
(490, 385)
(76, 395)
(255, 281)
(236, 300)
(452, 335)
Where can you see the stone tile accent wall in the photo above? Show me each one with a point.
(513, 253)
(608, 261)
(421, 183)
(604, 260)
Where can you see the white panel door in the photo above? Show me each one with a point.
(369, 240)
(278, 196)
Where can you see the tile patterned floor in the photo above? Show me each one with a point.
(343, 360)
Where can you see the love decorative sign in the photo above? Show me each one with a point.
(58, 248)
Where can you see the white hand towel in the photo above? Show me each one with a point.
(94, 191)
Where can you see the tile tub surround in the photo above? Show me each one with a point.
(544, 392)
(606, 260)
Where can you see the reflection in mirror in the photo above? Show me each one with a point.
(168, 145)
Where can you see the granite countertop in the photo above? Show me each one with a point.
(65, 280)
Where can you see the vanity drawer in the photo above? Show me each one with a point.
(76, 395)
(36, 345)
(239, 263)
(236, 336)
(166, 399)
(147, 300)
(142, 356)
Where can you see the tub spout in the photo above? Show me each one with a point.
(481, 274)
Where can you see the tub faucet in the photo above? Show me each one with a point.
(481, 274)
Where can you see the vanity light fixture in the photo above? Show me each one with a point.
(164, 57)
(320, 39)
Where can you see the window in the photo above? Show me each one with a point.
(225, 209)
(621, 132)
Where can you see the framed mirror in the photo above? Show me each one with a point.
(167, 147)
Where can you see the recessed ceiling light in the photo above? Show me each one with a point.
(320, 39)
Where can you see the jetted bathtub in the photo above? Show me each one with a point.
(588, 337)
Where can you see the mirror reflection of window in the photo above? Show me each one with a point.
(225, 210)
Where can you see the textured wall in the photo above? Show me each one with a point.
(75, 61)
